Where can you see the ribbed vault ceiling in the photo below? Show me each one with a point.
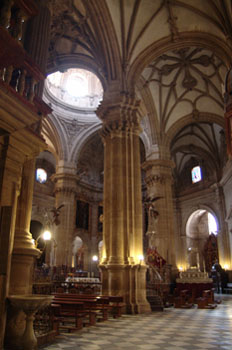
(166, 47)
(202, 141)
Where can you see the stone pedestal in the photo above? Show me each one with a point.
(20, 333)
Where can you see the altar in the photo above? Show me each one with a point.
(194, 281)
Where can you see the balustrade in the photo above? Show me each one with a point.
(13, 14)
(18, 72)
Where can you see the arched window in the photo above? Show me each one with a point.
(212, 224)
(41, 175)
(196, 174)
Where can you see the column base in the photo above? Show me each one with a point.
(128, 281)
(22, 268)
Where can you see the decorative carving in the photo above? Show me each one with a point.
(120, 116)
(66, 190)
(180, 72)
(151, 180)
(195, 114)
(172, 21)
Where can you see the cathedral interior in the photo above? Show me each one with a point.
(115, 137)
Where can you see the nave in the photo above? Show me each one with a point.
(172, 329)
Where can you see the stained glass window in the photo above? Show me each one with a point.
(196, 174)
(41, 175)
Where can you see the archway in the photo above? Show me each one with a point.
(201, 239)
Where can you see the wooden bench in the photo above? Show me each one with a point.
(74, 311)
(116, 305)
(93, 306)
(107, 302)
(207, 300)
(183, 300)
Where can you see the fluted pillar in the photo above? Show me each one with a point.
(123, 271)
(24, 251)
(159, 185)
(65, 193)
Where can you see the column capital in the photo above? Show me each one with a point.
(158, 163)
(120, 115)
(158, 171)
(64, 183)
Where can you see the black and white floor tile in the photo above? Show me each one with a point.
(172, 329)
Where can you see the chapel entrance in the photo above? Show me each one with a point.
(201, 240)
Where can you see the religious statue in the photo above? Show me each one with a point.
(56, 214)
(153, 217)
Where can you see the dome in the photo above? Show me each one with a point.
(75, 87)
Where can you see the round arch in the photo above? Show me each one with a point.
(82, 140)
(201, 227)
(194, 209)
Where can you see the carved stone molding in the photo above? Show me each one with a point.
(155, 179)
(120, 116)
(65, 190)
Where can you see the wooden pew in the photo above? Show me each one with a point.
(207, 300)
(112, 303)
(93, 306)
(74, 310)
(116, 305)
(183, 301)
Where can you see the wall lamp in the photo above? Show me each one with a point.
(46, 236)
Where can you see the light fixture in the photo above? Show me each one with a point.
(95, 258)
(141, 258)
(226, 266)
(46, 235)
(180, 268)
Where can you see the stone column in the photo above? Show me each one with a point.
(11, 160)
(94, 238)
(223, 236)
(65, 192)
(37, 39)
(123, 271)
(24, 251)
(159, 185)
(181, 242)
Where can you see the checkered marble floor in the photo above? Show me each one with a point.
(172, 329)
